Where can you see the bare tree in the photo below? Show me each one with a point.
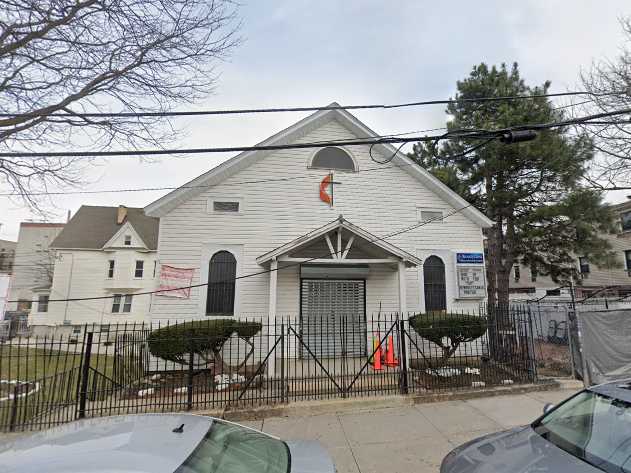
(609, 82)
(63, 59)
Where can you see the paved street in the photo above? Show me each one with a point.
(411, 439)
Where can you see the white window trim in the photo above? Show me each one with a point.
(143, 270)
(449, 259)
(120, 304)
(47, 304)
(123, 296)
(208, 250)
(113, 269)
(126, 229)
(421, 208)
(346, 150)
(210, 208)
(131, 303)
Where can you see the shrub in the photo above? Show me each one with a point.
(456, 328)
(204, 338)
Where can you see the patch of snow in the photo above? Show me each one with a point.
(146, 392)
(13, 382)
(444, 372)
(475, 371)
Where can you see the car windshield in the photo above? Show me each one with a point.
(230, 448)
(592, 427)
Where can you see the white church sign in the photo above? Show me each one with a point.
(470, 275)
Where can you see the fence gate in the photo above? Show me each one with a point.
(333, 317)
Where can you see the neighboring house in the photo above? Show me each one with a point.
(32, 266)
(606, 278)
(7, 255)
(102, 251)
(298, 245)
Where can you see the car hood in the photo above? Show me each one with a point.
(518, 450)
(113, 444)
(309, 456)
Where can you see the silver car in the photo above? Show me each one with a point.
(160, 443)
(588, 433)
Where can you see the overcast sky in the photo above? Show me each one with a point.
(315, 52)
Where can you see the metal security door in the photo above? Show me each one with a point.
(333, 317)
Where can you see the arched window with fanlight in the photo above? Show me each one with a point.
(222, 271)
(333, 158)
(434, 284)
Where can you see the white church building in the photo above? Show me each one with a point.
(312, 231)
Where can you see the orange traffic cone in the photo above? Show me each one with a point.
(377, 358)
(390, 359)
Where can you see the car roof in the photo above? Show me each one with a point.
(615, 389)
(128, 443)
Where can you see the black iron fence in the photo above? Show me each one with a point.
(219, 365)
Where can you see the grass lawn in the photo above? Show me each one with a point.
(51, 380)
(30, 364)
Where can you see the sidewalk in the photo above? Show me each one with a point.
(406, 438)
(412, 438)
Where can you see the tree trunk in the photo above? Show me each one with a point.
(507, 262)
(492, 246)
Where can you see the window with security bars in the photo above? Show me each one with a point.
(222, 271)
(225, 206)
(434, 283)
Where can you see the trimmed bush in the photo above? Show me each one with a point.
(204, 338)
(448, 330)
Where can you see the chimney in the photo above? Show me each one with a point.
(68, 217)
(121, 215)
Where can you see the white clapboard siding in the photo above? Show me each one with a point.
(274, 213)
(89, 279)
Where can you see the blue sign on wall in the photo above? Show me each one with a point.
(469, 258)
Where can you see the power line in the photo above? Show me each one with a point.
(390, 235)
(230, 149)
(258, 181)
(200, 186)
(305, 109)
(461, 134)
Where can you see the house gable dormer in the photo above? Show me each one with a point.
(126, 237)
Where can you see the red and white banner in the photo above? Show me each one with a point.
(175, 281)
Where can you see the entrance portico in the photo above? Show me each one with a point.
(336, 261)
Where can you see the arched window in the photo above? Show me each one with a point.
(222, 271)
(434, 281)
(333, 158)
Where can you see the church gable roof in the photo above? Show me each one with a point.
(290, 135)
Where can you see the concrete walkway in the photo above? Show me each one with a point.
(411, 439)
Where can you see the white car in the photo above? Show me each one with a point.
(156, 443)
